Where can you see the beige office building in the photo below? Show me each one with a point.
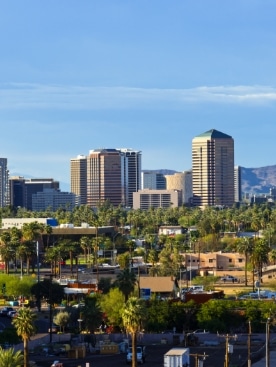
(181, 181)
(104, 177)
(146, 199)
(213, 169)
(78, 167)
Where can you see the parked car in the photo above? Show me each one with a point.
(229, 278)
(54, 329)
(201, 331)
(5, 311)
(12, 313)
(141, 354)
(56, 364)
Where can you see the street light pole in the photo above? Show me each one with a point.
(38, 277)
(267, 354)
(249, 344)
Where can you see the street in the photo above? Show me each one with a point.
(215, 357)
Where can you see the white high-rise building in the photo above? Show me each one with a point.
(131, 162)
(238, 184)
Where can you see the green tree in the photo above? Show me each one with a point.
(10, 358)
(25, 328)
(51, 291)
(133, 316)
(126, 281)
(112, 304)
(157, 317)
(91, 314)
(61, 319)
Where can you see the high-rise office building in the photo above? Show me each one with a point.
(78, 169)
(213, 169)
(131, 174)
(104, 177)
(51, 199)
(35, 185)
(113, 175)
(153, 180)
(4, 182)
(238, 184)
(17, 191)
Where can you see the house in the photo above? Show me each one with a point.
(172, 230)
(160, 286)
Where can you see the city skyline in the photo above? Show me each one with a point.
(141, 75)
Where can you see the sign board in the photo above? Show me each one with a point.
(145, 293)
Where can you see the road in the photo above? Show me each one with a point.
(155, 355)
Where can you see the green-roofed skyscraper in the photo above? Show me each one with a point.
(213, 169)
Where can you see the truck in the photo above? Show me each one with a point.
(177, 357)
(141, 354)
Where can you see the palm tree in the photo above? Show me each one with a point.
(126, 281)
(133, 315)
(244, 246)
(272, 256)
(6, 249)
(24, 325)
(85, 244)
(10, 358)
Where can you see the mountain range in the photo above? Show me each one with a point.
(254, 180)
(258, 180)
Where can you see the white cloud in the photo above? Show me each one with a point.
(37, 96)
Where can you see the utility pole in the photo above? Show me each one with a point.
(249, 345)
(267, 354)
(197, 360)
(228, 347)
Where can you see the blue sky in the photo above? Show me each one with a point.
(142, 74)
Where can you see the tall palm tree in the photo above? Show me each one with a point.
(133, 316)
(245, 246)
(6, 249)
(126, 281)
(10, 358)
(24, 325)
(85, 244)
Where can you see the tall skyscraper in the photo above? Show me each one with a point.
(213, 169)
(4, 182)
(104, 177)
(238, 184)
(113, 175)
(17, 191)
(131, 174)
(78, 168)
